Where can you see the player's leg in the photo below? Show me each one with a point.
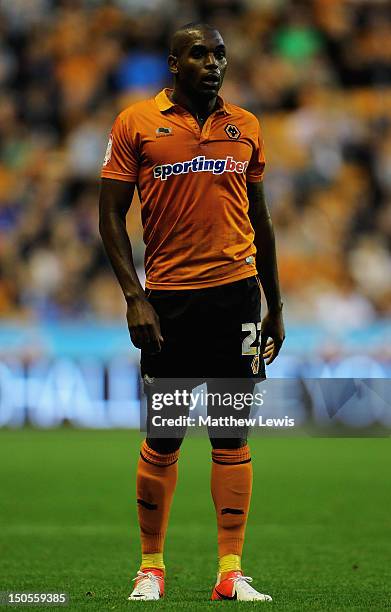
(231, 475)
(157, 475)
(231, 486)
(157, 470)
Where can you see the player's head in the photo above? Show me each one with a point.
(197, 59)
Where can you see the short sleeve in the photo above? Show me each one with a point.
(121, 158)
(256, 165)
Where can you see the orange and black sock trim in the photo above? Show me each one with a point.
(151, 456)
(231, 456)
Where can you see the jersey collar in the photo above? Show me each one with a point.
(164, 103)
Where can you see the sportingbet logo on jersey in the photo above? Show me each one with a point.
(200, 164)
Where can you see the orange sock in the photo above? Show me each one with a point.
(156, 481)
(231, 485)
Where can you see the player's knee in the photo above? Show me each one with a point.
(164, 446)
(231, 443)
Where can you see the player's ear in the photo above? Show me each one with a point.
(173, 64)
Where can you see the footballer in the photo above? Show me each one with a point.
(198, 164)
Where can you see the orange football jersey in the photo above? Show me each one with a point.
(192, 186)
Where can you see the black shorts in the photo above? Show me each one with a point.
(208, 333)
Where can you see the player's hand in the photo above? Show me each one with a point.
(272, 336)
(144, 325)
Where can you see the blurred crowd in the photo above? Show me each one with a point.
(318, 75)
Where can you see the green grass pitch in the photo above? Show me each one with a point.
(318, 537)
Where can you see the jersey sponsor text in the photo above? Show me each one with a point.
(200, 164)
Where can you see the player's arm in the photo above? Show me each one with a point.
(143, 322)
(272, 331)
